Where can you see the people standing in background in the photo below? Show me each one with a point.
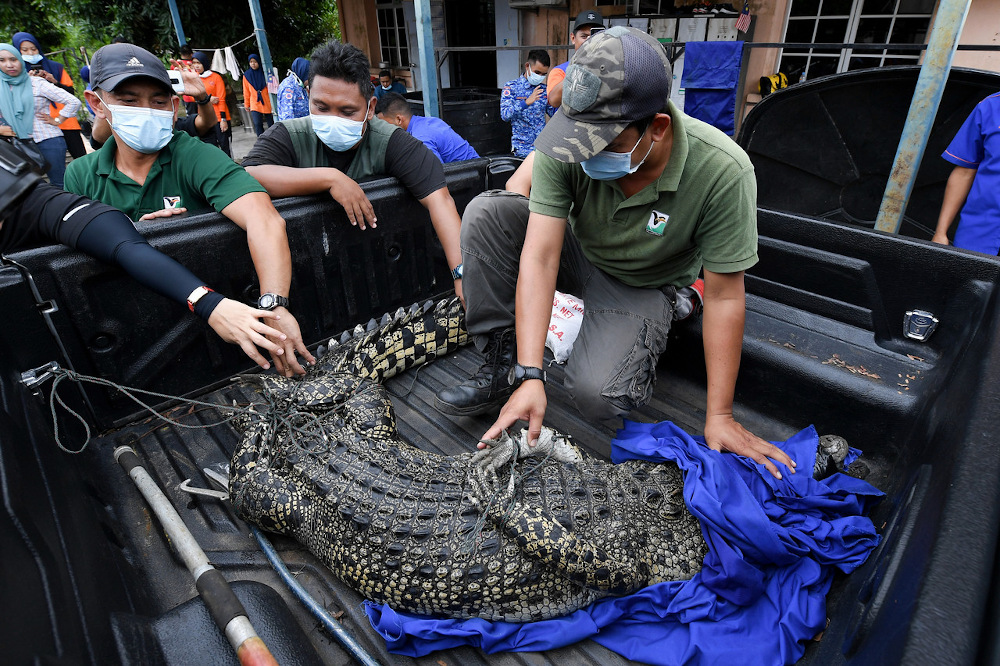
(587, 23)
(974, 184)
(387, 85)
(215, 86)
(524, 103)
(54, 73)
(293, 94)
(255, 96)
(435, 133)
(24, 107)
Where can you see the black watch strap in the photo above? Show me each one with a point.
(519, 373)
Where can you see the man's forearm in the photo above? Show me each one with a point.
(955, 194)
(206, 119)
(722, 334)
(266, 239)
(283, 181)
(447, 223)
(536, 286)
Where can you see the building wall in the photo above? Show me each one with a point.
(981, 27)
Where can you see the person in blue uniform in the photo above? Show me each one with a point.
(435, 133)
(974, 184)
(524, 103)
(387, 85)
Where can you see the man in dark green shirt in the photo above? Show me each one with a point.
(629, 199)
(148, 169)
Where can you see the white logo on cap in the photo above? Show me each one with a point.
(133, 62)
(591, 15)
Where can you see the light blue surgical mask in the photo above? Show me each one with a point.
(607, 165)
(338, 133)
(142, 129)
(32, 59)
(534, 78)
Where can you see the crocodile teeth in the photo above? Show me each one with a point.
(385, 320)
(372, 325)
(345, 336)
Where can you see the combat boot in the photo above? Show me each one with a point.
(489, 387)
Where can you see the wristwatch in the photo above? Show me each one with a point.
(271, 301)
(456, 272)
(197, 295)
(205, 100)
(519, 373)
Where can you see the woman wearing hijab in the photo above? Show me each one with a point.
(53, 72)
(293, 99)
(215, 86)
(255, 96)
(24, 110)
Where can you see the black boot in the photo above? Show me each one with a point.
(488, 388)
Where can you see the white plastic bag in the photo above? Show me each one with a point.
(564, 325)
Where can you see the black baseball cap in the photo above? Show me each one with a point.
(588, 17)
(115, 63)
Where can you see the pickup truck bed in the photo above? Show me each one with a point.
(88, 576)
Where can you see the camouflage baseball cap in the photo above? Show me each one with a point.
(618, 76)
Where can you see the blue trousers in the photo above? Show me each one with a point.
(54, 150)
(259, 119)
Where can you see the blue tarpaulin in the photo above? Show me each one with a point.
(711, 76)
(774, 545)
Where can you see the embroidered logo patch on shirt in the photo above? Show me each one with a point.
(172, 202)
(657, 223)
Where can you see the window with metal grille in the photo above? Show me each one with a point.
(392, 34)
(852, 22)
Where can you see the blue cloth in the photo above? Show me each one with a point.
(977, 146)
(396, 87)
(711, 75)
(761, 595)
(526, 121)
(300, 67)
(442, 140)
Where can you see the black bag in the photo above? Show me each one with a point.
(30, 150)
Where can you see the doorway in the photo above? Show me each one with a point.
(471, 24)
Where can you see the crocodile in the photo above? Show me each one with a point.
(512, 532)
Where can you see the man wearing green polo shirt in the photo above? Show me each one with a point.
(652, 197)
(148, 169)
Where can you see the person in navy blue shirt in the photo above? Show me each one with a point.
(436, 134)
(524, 103)
(387, 85)
(974, 185)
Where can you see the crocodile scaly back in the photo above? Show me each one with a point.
(512, 533)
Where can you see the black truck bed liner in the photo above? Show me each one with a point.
(88, 577)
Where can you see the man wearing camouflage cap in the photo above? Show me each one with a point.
(652, 197)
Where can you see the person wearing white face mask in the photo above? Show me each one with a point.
(629, 200)
(524, 103)
(147, 169)
(341, 142)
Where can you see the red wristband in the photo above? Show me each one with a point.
(196, 295)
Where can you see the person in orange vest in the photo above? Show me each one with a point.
(255, 95)
(54, 73)
(215, 86)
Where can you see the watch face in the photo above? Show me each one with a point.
(266, 302)
(512, 375)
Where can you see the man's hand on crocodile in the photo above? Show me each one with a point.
(240, 324)
(286, 363)
(723, 432)
(527, 403)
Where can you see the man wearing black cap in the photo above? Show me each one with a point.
(588, 22)
(147, 167)
(652, 197)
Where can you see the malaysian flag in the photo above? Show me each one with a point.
(743, 22)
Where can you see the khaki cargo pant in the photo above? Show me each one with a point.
(613, 365)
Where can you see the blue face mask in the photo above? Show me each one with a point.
(142, 129)
(607, 165)
(338, 133)
(533, 78)
(32, 59)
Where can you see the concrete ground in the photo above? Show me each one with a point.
(243, 140)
